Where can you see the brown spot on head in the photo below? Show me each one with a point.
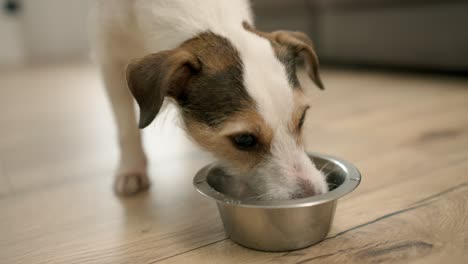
(204, 76)
(295, 50)
(158, 75)
(288, 56)
(298, 122)
(220, 140)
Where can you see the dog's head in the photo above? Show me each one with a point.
(241, 100)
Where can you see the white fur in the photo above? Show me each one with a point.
(149, 26)
(124, 30)
(266, 80)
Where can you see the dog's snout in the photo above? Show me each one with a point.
(306, 189)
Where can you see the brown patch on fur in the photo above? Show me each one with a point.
(256, 125)
(153, 77)
(288, 57)
(221, 144)
(204, 75)
(290, 47)
(215, 52)
(218, 91)
(300, 106)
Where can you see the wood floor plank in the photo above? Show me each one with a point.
(5, 187)
(89, 223)
(408, 134)
(442, 224)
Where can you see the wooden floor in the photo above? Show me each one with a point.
(408, 135)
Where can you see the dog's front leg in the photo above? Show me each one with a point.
(131, 174)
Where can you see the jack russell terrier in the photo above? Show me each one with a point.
(239, 91)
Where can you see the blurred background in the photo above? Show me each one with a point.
(416, 34)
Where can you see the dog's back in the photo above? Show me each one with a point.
(129, 29)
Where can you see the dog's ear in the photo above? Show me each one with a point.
(157, 75)
(300, 43)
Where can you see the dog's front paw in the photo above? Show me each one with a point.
(131, 183)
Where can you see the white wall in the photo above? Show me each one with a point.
(55, 29)
(45, 30)
(11, 41)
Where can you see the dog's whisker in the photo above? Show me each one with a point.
(328, 174)
(323, 167)
(257, 196)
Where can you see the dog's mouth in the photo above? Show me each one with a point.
(239, 189)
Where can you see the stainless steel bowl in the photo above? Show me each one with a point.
(281, 225)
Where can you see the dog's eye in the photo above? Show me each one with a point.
(301, 121)
(245, 141)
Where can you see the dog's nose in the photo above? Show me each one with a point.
(306, 188)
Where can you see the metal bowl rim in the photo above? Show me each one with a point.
(352, 180)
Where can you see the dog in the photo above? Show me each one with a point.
(239, 91)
